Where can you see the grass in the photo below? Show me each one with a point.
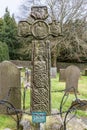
(56, 97)
(8, 122)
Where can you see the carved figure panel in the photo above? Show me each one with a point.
(40, 89)
(39, 12)
(40, 29)
(24, 28)
(55, 29)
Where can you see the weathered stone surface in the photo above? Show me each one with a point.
(76, 124)
(40, 78)
(41, 58)
(55, 122)
(40, 29)
(80, 104)
(39, 12)
(25, 124)
(53, 72)
(10, 85)
(55, 28)
(24, 28)
(72, 74)
(62, 75)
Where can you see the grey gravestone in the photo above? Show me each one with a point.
(10, 85)
(62, 75)
(72, 74)
(53, 72)
(27, 75)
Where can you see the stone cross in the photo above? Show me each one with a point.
(41, 59)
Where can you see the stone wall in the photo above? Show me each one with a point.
(22, 63)
(63, 65)
(60, 65)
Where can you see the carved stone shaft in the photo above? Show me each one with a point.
(40, 87)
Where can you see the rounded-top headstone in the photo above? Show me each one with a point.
(10, 85)
(72, 74)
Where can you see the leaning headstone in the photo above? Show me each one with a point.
(62, 75)
(72, 74)
(10, 85)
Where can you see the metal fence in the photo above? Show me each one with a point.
(64, 114)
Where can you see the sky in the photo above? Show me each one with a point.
(13, 6)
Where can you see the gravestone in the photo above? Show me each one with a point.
(72, 74)
(62, 75)
(27, 75)
(53, 72)
(10, 87)
(85, 72)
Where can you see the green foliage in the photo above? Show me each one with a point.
(24, 51)
(8, 32)
(6, 121)
(4, 52)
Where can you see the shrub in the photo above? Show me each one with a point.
(4, 52)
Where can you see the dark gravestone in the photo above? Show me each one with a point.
(10, 87)
(85, 72)
(62, 77)
(72, 74)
